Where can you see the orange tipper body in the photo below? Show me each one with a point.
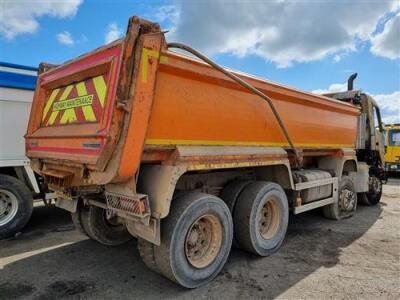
(97, 118)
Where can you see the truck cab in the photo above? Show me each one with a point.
(370, 145)
(392, 145)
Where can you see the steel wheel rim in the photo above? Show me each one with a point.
(268, 219)
(8, 206)
(203, 241)
(374, 185)
(347, 200)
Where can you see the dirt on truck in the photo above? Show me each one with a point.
(190, 158)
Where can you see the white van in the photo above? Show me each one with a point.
(19, 185)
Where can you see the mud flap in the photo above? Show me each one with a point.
(150, 232)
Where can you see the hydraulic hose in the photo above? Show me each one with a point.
(245, 85)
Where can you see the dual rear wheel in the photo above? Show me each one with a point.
(94, 222)
(197, 235)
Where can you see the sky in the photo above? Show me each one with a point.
(312, 45)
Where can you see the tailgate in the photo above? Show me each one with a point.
(73, 107)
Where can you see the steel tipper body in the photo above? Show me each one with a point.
(181, 153)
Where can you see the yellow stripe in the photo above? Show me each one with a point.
(87, 110)
(49, 103)
(101, 88)
(64, 96)
(238, 164)
(69, 116)
(240, 143)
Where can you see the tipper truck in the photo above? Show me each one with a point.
(188, 157)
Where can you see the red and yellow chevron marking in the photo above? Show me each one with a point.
(82, 102)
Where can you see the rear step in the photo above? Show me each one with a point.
(58, 179)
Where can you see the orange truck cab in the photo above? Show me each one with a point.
(140, 141)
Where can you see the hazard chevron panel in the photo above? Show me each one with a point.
(81, 102)
(72, 111)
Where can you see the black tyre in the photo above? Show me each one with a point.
(146, 251)
(94, 223)
(196, 239)
(261, 218)
(77, 220)
(346, 205)
(231, 192)
(374, 194)
(16, 206)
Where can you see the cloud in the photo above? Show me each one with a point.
(389, 104)
(283, 32)
(333, 88)
(337, 58)
(21, 16)
(65, 38)
(113, 33)
(165, 13)
(387, 43)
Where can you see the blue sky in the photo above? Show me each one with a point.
(314, 46)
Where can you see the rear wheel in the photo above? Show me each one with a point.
(16, 206)
(346, 205)
(374, 194)
(94, 222)
(146, 251)
(196, 240)
(231, 192)
(261, 218)
(77, 220)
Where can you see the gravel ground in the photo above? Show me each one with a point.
(354, 258)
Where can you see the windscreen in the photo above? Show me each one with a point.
(394, 137)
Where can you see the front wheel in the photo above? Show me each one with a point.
(374, 194)
(346, 205)
(16, 206)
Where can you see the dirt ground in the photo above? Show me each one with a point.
(354, 258)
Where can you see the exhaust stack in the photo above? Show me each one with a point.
(350, 81)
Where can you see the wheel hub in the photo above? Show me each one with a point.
(347, 200)
(8, 206)
(203, 241)
(269, 216)
(374, 184)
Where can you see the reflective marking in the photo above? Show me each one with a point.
(64, 96)
(69, 116)
(101, 88)
(145, 61)
(239, 143)
(49, 103)
(87, 110)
